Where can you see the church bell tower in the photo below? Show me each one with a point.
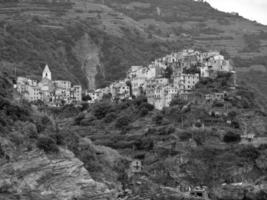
(47, 73)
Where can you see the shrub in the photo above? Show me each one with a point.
(158, 119)
(71, 139)
(85, 106)
(249, 152)
(123, 105)
(144, 144)
(140, 100)
(151, 131)
(218, 104)
(235, 125)
(87, 121)
(79, 118)
(101, 110)
(68, 111)
(145, 108)
(2, 152)
(231, 137)
(185, 136)
(144, 111)
(58, 138)
(232, 114)
(262, 147)
(148, 106)
(16, 138)
(47, 144)
(42, 123)
(16, 112)
(122, 122)
(90, 161)
(86, 98)
(110, 117)
(30, 130)
(166, 130)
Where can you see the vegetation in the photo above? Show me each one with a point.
(231, 137)
(123, 122)
(101, 110)
(47, 144)
(165, 141)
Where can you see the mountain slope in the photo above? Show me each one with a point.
(34, 166)
(94, 42)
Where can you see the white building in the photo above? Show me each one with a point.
(51, 92)
(120, 90)
(77, 93)
(157, 96)
(204, 71)
(186, 82)
(63, 84)
(138, 84)
(33, 93)
(171, 92)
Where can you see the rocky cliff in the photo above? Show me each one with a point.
(36, 162)
(88, 55)
(35, 175)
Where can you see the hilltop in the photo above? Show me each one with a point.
(95, 42)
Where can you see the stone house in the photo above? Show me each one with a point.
(170, 92)
(136, 166)
(186, 82)
(219, 96)
(76, 93)
(33, 93)
(157, 96)
(63, 84)
(120, 90)
(138, 83)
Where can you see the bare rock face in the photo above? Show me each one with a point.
(88, 54)
(39, 176)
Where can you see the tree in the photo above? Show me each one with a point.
(123, 122)
(86, 98)
(168, 72)
(107, 97)
(232, 137)
(47, 144)
(158, 119)
(101, 110)
(110, 117)
(129, 84)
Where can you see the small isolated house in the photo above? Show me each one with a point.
(136, 166)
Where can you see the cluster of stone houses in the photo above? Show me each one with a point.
(54, 93)
(163, 79)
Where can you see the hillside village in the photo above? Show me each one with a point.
(165, 78)
(161, 81)
(53, 93)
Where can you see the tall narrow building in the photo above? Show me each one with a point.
(47, 73)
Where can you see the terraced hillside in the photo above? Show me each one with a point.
(94, 42)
